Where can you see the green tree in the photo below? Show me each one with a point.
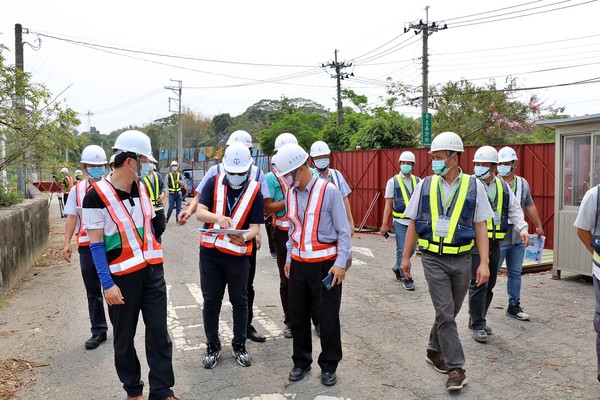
(305, 127)
(387, 130)
(339, 137)
(34, 122)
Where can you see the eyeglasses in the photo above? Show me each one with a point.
(237, 173)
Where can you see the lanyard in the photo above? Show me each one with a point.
(231, 207)
(446, 202)
(492, 200)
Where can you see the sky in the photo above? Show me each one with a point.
(232, 54)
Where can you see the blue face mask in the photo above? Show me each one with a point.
(504, 170)
(236, 180)
(482, 172)
(96, 172)
(439, 167)
(146, 168)
(406, 169)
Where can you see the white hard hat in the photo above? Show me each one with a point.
(319, 148)
(407, 156)
(290, 157)
(507, 154)
(284, 138)
(240, 136)
(237, 158)
(111, 160)
(94, 155)
(174, 163)
(78, 172)
(135, 142)
(486, 154)
(64, 170)
(447, 141)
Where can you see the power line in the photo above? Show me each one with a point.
(491, 11)
(514, 12)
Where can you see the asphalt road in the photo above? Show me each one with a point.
(385, 330)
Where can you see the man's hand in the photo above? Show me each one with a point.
(258, 241)
(66, 252)
(483, 274)
(525, 238)
(405, 267)
(539, 231)
(113, 296)
(338, 275)
(384, 228)
(237, 239)
(224, 222)
(184, 216)
(286, 270)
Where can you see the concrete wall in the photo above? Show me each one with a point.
(24, 232)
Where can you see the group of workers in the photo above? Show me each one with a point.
(465, 227)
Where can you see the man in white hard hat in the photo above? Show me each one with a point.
(156, 191)
(448, 213)
(78, 175)
(588, 231)
(239, 136)
(315, 268)
(174, 184)
(117, 214)
(505, 207)
(276, 206)
(229, 200)
(512, 248)
(67, 182)
(93, 162)
(398, 190)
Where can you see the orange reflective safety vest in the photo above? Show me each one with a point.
(80, 190)
(238, 217)
(281, 222)
(307, 247)
(137, 250)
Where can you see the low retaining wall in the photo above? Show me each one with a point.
(24, 232)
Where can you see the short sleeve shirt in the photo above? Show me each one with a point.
(586, 218)
(275, 191)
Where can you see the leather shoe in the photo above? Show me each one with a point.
(328, 378)
(95, 341)
(253, 335)
(297, 374)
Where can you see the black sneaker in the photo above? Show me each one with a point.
(517, 312)
(213, 352)
(241, 355)
(398, 273)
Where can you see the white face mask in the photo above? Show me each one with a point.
(504, 170)
(174, 168)
(322, 163)
(482, 172)
(235, 181)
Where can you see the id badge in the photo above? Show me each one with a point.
(496, 218)
(441, 226)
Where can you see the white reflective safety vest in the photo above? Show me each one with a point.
(80, 190)
(307, 247)
(238, 217)
(136, 250)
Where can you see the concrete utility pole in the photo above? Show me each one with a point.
(427, 30)
(339, 77)
(19, 99)
(177, 90)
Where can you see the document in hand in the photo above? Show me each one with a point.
(224, 231)
(533, 252)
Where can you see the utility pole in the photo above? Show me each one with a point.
(339, 76)
(177, 90)
(427, 30)
(19, 98)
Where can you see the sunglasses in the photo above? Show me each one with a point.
(237, 173)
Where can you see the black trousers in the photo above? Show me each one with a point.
(93, 290)
(480, 297)
(250, 288)
(280, 238)
(218, 270)
(144, 290)
(270, 231)
(308, 295)
(159, 223)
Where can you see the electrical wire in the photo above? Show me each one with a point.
(491, 11)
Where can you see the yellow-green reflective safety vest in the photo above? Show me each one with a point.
(401, 195)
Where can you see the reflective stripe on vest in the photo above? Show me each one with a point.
(174, 187)
(307, 247)
(238, 217)
(80, 190)
(462, 211)
(281, 222)
(498, 231)
(153, 192)
(401, 201)
(136, 252)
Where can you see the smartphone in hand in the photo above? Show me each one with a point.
(386, 235)
(328, 280)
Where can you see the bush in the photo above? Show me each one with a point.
(9, 197)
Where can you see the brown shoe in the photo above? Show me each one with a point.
(436, 359)
(456, 379)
